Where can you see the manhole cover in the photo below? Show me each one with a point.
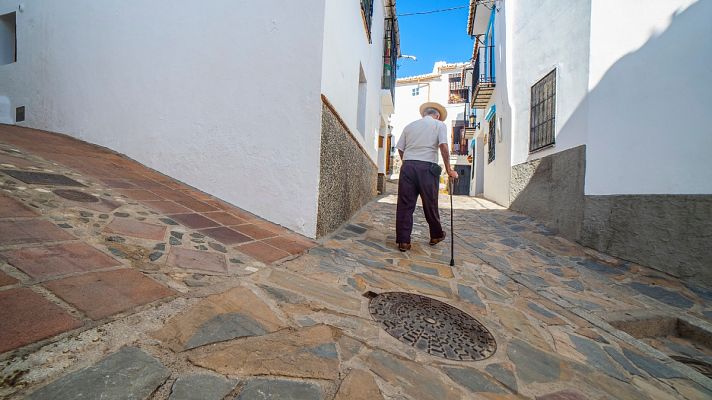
(76, 195)
(41, 178)
(433, 326)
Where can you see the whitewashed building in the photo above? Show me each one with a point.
(594, 118)
(274, 106)
(447, 85)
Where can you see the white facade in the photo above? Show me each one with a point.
(225, 97)
(616, 69)
(413, 91)
(343, 60)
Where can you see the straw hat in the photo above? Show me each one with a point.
(437, 106)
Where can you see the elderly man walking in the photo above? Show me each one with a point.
(420, 173)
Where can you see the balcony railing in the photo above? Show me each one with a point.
(484, 77)
(367, 8)
(390, 57)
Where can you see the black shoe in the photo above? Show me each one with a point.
(435, 241)
(403, 246)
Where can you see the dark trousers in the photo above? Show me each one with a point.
(416, 179)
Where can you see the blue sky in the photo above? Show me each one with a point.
(432, 37)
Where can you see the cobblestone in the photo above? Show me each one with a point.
(292, 311)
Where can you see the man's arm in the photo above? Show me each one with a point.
(445, 152)
(400, 152)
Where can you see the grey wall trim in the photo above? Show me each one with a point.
(348, 177)
(551, 189)
(671, 233)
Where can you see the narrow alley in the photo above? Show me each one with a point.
(129, 295)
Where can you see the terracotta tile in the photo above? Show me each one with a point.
(196, 194)
(6, 279)
(138, 229)
(17, 328)
(101, 294)
(118, 184)
(254, 231)
(166, 207)
(148, 184)
(139, 194)
(194, 221)
(226, 235)
(262, 252)
(30, 231)
(11, 208)
(172, 184)
(279, 230)
(219, 204)
(61, 259)
(171, 194)
(245, 215)
(16, 161)
(225, 218)
(197, 260)
(196, 205)
(288, 245)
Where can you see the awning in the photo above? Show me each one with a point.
(491, 112)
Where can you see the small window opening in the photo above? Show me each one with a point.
(8, 39)
(361, 112)
(20, 114)
(416, 91)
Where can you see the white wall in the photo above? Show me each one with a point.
(497, 174)
(547, 35)
(345, 48)
(407, 107)
(649, 103)
(224, 97)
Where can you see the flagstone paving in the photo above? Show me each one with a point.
(155, 298)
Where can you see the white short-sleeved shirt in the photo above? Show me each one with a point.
(420, 139)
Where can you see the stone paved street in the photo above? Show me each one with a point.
(155, 290)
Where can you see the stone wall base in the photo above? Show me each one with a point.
(347, 176)
(551, 190)
(670, 233)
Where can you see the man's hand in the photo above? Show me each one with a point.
(452, 173)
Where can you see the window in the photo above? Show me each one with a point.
(390, 55)
(361, 111)
(458, 91)
(460, 145)
(543, 113)
(20, 114)
(491, 138)
(367, 12)
(8, 39)
(416, 91)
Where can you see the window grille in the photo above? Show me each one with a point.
(491, 138)
(367, 8)
(543, 113)
(390, 55)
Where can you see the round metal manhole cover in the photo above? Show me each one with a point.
(76, 195)
(433, 326)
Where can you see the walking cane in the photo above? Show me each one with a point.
(452, 229)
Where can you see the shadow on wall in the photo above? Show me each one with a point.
(647, 150)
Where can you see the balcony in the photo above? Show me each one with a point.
(484, 78)
(390, 57)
